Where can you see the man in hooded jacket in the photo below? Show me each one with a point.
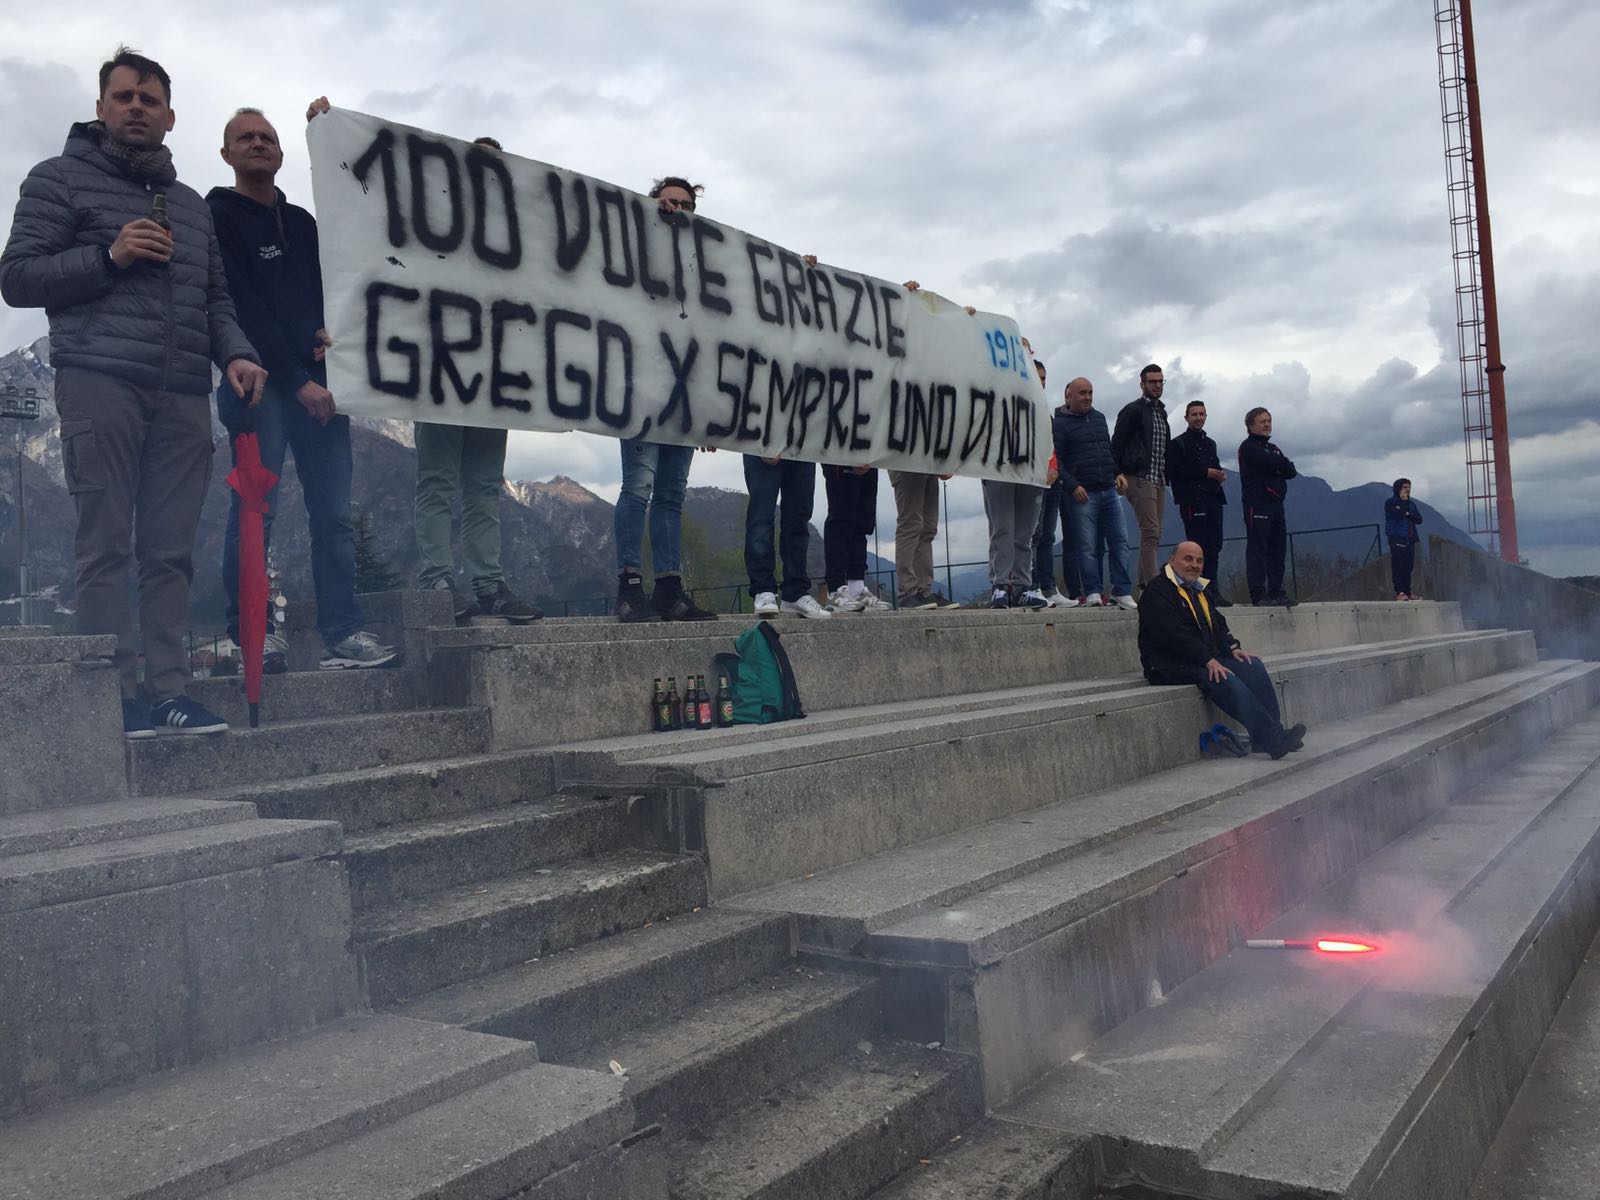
(123, 259)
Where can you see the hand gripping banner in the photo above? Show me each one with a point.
(472, 287)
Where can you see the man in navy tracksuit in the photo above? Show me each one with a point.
(1264, 474)
(1401, 516)
(1196, 477)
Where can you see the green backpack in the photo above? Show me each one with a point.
(762, 680)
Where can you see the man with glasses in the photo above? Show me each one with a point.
(1139, 445)
(655, 476)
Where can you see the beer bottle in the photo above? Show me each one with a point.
(674, 704)
(724, 703)
(658, 708)
(702, 710)
(691, 703)
(158, 211)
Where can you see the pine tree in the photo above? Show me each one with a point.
(373, 572)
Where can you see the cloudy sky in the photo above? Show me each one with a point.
(1249, 192)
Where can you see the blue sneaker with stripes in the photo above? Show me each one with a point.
(180, 714)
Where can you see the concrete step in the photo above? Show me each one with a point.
(725, 1051)
(1277, 1072)
(599, 757)
(579, 997)
(837, 910)
(120, 956)
(89, 824)
(1105, 933)
(1002, 1160)
(838, 1131)
(433, 941)
(108, 868)
(181, 764)
(302, 695)
(496, 1140)
(421, 857)
(971, 651)
(371, 798)
(235, 1123)
(778, 809)
(1546, 1148)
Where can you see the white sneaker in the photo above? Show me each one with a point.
(841, 601)
(872, 602)
(1124, 602)
(1057, 600)
(1092, 600)
(766, 604)
(806, 606)
(357, 652)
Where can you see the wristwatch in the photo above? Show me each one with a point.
(105, 257)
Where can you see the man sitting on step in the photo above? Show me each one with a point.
(1184, 639)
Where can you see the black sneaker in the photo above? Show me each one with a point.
(1000, 598)
(940, 600)
(1295, 736)
(180, 714)
(919, 600)
(672, 603)
(633, 606)
(463, 608)
(136, 721)
(503, 602)
(1281, 600)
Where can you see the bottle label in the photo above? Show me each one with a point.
(727, 712)
(664, 715)
(705, 712)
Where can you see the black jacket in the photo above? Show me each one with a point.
(275, 278)
(1083, 451)
(1264, 472)
(1189, 456)
(155, 326)
(1130, 441)
(1177, 640)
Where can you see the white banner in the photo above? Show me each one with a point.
(472, 287)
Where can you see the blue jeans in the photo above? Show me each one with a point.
(1097, 526)
(322, 463)
(1053, 516)
(1248, 697)
(795, 483)
(654, 475)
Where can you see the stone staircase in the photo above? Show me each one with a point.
(972, 929)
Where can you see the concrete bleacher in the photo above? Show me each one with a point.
(974, 928)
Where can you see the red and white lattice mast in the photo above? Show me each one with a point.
(1491, 509)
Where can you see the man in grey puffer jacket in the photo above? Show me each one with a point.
(122, 258)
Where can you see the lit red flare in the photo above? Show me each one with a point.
(1323, 945)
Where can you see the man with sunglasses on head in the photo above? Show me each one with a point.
(655, 476)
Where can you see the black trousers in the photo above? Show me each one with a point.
(1402, 556)
(852, 516)
(1266, 538)
(1202, 523)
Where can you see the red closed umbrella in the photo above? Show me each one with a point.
(252, 481)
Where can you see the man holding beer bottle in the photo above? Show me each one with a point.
(139, 310)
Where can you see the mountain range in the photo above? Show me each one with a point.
(557, 535)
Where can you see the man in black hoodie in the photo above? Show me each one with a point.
(269, 248)
(1196, 476)
(1264, 474)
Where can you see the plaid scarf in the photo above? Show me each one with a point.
(140, 164)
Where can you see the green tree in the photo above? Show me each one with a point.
(373, 572)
